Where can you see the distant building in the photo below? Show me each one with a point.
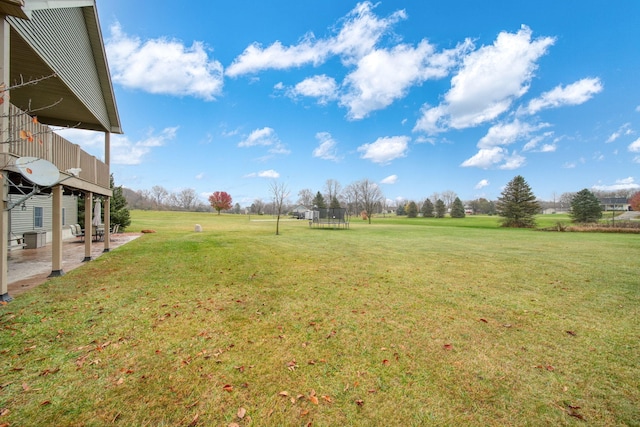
(609, 204)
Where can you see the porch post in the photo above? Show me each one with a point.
(88, 231)
(107, 201)
(56, 248)
(107, 223)
(4, 148)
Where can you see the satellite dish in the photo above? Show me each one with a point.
(39, 171)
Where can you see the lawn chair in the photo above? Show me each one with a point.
(76, 231)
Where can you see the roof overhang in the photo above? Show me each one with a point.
(74, 86)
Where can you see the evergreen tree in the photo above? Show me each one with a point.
(319, 202)
(427, 209)
(518, 204)
(119, 211)
(457, 209)
(401, 211)
(585, 207)
(441, 209)
(335, 204)
(412, 209)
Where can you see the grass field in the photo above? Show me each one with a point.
(401, 322)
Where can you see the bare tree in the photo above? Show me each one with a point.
(159, 195)
(370, 196)
(448, 197)
(332, 189)
(280, 193)
(187, 199)
(305, 197)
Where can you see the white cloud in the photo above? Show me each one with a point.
(548, 148)
(384, 75)
(490, 79)
(621, 184)
(322, 87)
(513, 161)
(327, 148)
(485, 158)
(573, 94)
(507, 133)
(163, 66)
(264, 174)
(391, 179)
(123, 150)
(385, 149)
(490, 146)
(358, 35)
(265, 136)
(625, 129)
(481, 184)
(634, 147)
(200, 176)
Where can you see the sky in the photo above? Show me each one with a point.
(419, 97)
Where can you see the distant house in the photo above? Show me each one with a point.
(299, 211)
(609, 204)
(59, 43)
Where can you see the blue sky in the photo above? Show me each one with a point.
(417, 96)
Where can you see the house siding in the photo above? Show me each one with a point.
(51, 32)
(22, 221)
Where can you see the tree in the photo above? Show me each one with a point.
(319, 202)
(257, 207)
(332, 189)
(279, 192)
(440, 208)
(220, 201)
(187, 199)
(401, 210)
(457, 209)
(518, 204)
(427, 209)
(370, 196)
(634, 201)
(159, 195)
(305, 197)
(448, 197)
(585, 207)
(335, 204)
(412, 210)
(118, 211)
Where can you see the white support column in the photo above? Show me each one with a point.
(4, 148)
(56, 248)
(107, 202)
(88, 230)
(107, 224)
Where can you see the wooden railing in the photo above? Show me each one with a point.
(29, 138)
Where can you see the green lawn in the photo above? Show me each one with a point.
(401, 322)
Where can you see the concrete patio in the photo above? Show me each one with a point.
(31, 267)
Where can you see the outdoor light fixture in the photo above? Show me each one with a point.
(24, 206)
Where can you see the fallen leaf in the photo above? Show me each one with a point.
(25, 387)
(483, 320)
(572, 333)
(359, 402)
(46, 402)
(228, 388)
(304, 412)
(313, 400)
(283, 393)
(327, 398)
(448, 346)
(194, 421)
(241, 413)
(385, 362)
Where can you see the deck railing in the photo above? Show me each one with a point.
(30, 138)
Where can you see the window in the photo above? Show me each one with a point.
(38, 217)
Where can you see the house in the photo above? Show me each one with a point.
(614, 204)
(57, 46)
